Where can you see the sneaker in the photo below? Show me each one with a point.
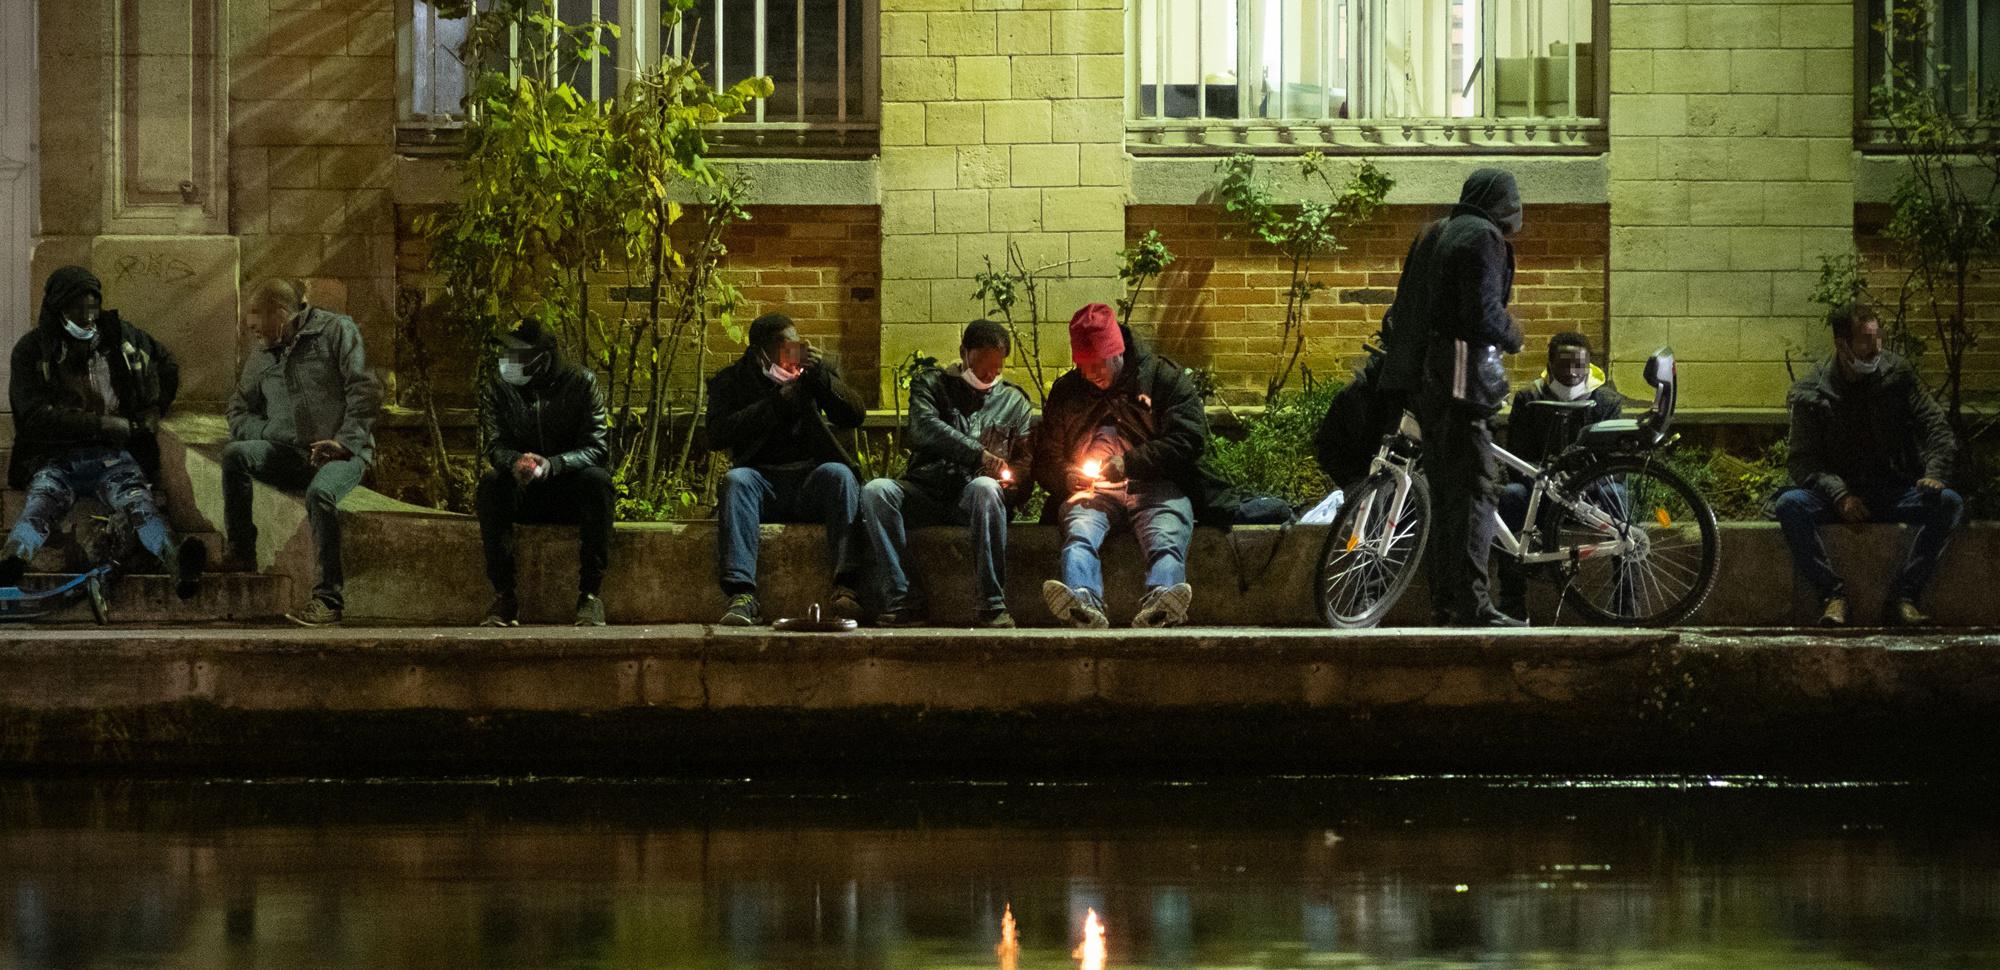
(842, 602)
(1834, 613)
(1164, 607)
(903, 617)
(185, 567)
(1079, 608)
(742, 611)
(993, 620)
(1902, 612)
(505, 611)
(589, 610)
(1492, 618)
(315, 613)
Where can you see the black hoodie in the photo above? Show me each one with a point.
(1456, 283)
(51, 417)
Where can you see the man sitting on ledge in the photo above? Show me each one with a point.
(546, 434)
(964, 423)
(775, 411)
(1868, 444)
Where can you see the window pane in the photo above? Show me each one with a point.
(578, 72)
(1195, 42)
(437, 79)
(1532, 43)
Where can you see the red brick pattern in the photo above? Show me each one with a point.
(1885, 277)
(1221, 303)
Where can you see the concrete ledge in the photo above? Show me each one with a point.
(663, 699)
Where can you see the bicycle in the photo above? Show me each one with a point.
(1630, 540)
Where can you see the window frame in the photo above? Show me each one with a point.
(1485, 133)
(637, 42)
(1871, 136)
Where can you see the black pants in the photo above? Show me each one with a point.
(582, 498)
(1458, 459)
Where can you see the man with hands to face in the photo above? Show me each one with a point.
(547, 447)
(302, 417)
(1868, 444)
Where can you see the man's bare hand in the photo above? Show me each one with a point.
(1114, 470)
(529, 467)
(329, 450)
(1851, 508)
(1930, 485)
(991, 465)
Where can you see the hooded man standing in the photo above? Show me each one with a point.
(1121, 440)
(1450, 325)
(302, 416)
(88, 392)
(1868, 444)
(547, 435)
(775, 411)
(964, 422)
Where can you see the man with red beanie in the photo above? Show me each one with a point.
(1121, 440)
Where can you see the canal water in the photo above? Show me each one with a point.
(1736, 873)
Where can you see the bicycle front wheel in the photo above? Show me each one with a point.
(1671, 540)
(1372, 551)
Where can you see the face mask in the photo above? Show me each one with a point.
(1571, 392)
(514, 372)
(779, 373)
(973, 379)
(81, 333)
(1864, 367)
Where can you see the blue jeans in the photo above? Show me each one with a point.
(289, 467)
(111, 474)
(890, 508)
(1162, 518)
(1800, 512)
(829, 494)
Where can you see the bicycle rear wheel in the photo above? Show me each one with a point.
(1673, 567)
(1372, 551)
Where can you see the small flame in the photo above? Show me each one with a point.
(1006, 474)
(1009, 947)
(1092, 468)
(1091, 950)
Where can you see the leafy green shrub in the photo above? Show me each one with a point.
(1275, 454)
(1738, 488)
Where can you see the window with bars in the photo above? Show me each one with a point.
(1960, 52)
(1374, 73)
(821, 55)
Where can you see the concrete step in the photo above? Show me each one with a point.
(137, 598)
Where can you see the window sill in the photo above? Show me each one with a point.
(446, 137)
(1186, 136)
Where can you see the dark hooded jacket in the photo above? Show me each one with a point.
(51, 417)
(1449, 325)
(1158, 407)
(1882, 430)
(750, 417)
(952, 426)
(559, 414)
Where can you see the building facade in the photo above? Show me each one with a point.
(1686, 164)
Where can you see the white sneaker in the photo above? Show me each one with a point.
(1079, 608)
(1164, 607)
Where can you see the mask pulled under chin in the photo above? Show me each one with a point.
(1572, 392)
(777, 372)
(80, 333)
(1865, 367)
(965, 373)
(514, 372)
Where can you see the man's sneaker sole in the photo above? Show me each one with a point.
(303, 621)
(1067, 606)
(494, 621)
(1167, 609)
(738, 619)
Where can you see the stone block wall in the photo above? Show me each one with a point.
(1002, 122)
(1221, 303)
(1731, 164)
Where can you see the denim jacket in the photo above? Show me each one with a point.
(333, 393)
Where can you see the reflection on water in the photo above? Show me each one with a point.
(812, 874)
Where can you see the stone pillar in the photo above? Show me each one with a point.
(998, 125)
(1731, 173)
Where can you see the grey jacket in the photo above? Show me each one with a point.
(333, 393)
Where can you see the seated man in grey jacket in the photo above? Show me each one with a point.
(302, 417)
(964, 423)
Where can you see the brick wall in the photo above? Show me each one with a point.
(1221, 303)
(1886, 276)
(820, 265)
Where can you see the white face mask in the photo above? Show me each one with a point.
(973, 379)
(80, 333)
(1571, 392)
(1864, 367)
(514, 372)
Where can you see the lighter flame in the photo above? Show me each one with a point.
(1009, 947)
(1006, 474)
(1092, 468)
(1091, 950)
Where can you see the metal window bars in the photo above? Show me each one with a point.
(1319, 73)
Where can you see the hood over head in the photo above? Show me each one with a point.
(1492, 192)
(64, 285)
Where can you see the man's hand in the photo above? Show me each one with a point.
(991, 465)
(1851, 508)
(814, 359)
(329, 450)
(1930, 485)
(115, 427)
(1114, 470)
(529, 467)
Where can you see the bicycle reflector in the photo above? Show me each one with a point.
(1666, 521)
(1353, 539)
